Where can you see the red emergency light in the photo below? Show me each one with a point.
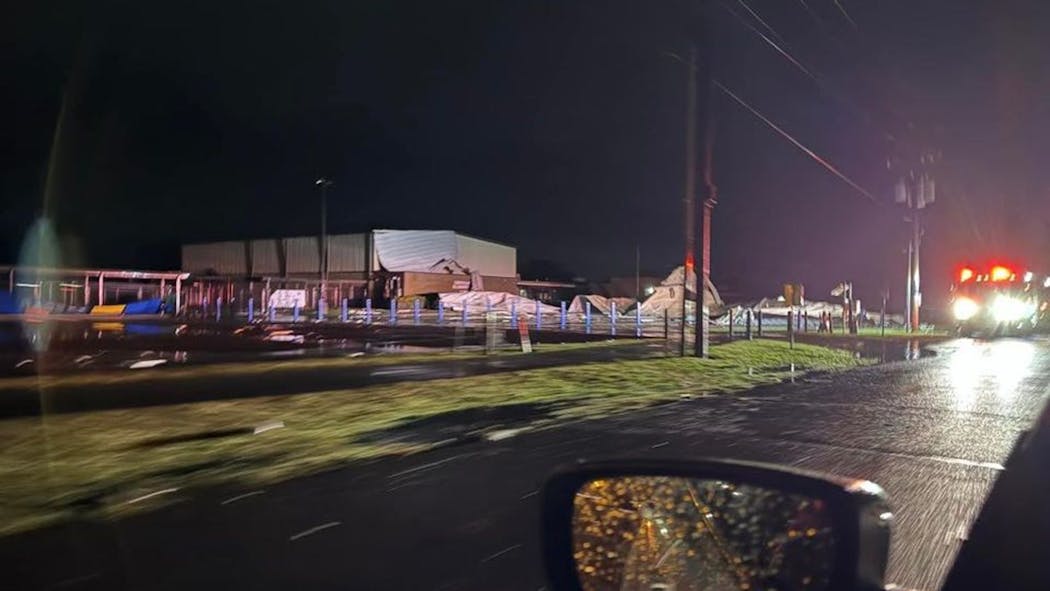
(1001, 273)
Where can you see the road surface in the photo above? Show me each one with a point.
(933, 432)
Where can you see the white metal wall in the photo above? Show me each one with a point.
(266, 259)
(414, 250)
(488, 258)
(302, 254)
(347, 253)
(395, 250)
(223, 258)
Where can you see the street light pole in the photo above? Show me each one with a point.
(689, 194)
(324, 183)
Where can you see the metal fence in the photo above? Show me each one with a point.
(632, 323)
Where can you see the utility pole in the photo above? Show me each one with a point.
(689, 194)
(703, 276)
(907, 287)
(916, 191)
(916, 293)
(637, 274)
(324, 183)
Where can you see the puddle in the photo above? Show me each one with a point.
(886, 351)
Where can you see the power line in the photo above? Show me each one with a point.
(820, 80)
(759, 19)
(771, 43)
(842, 9)
(830, 167)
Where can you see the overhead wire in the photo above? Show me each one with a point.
(863, 113)
(842, 9)
(754, 15)
(798, 144)
(771, 43)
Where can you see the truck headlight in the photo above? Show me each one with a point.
(964, 309)
(1008, 309)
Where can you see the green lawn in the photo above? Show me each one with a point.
(50, 465)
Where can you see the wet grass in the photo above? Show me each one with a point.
(55, 467)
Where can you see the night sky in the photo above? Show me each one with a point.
(554, 126)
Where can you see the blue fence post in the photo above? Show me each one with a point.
(368, 310)
(441, 312)
(320, 309)
(488, 305)
(218, 309)
(564, 321)
(637, 321)
(514, 314)
(587, 316)
(415, 311)
(612, 318)
(295, 312)
(272, 312)
(464, 313)
(251, 310)
(393, 312)
(539, 317)
(344, 312)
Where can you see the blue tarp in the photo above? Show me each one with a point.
(151, 306)
(9, 303)
(149, 329)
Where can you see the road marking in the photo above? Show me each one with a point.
(148, 363)
(876, 451)
(427, 466)
(527, 495)
(244, 496)
(397, 371)
(500, 553)
(661, 444)
(75, 581)
(501, 434)
(268, 427)
(314, 530)
(151, 495)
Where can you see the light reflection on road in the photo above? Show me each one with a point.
(998, 366)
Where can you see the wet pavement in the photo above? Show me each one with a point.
(77, 344)
(933, 432)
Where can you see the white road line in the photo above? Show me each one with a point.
(661, 444)
(244, 496)
(314, 530)
(268, 427)
(75, 581)
(527, 495)
(500, 553)
(501, 434)
(398, 371)
(151, 495)
(146, 364)
(427, 466)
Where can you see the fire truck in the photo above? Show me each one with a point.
(998, 300)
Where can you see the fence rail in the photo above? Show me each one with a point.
(746, 324)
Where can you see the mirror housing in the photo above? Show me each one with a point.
(857, 509)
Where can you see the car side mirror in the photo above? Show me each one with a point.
(711, 525)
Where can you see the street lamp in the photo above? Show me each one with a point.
(324, 183)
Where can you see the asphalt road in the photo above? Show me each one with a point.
(932, 432)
